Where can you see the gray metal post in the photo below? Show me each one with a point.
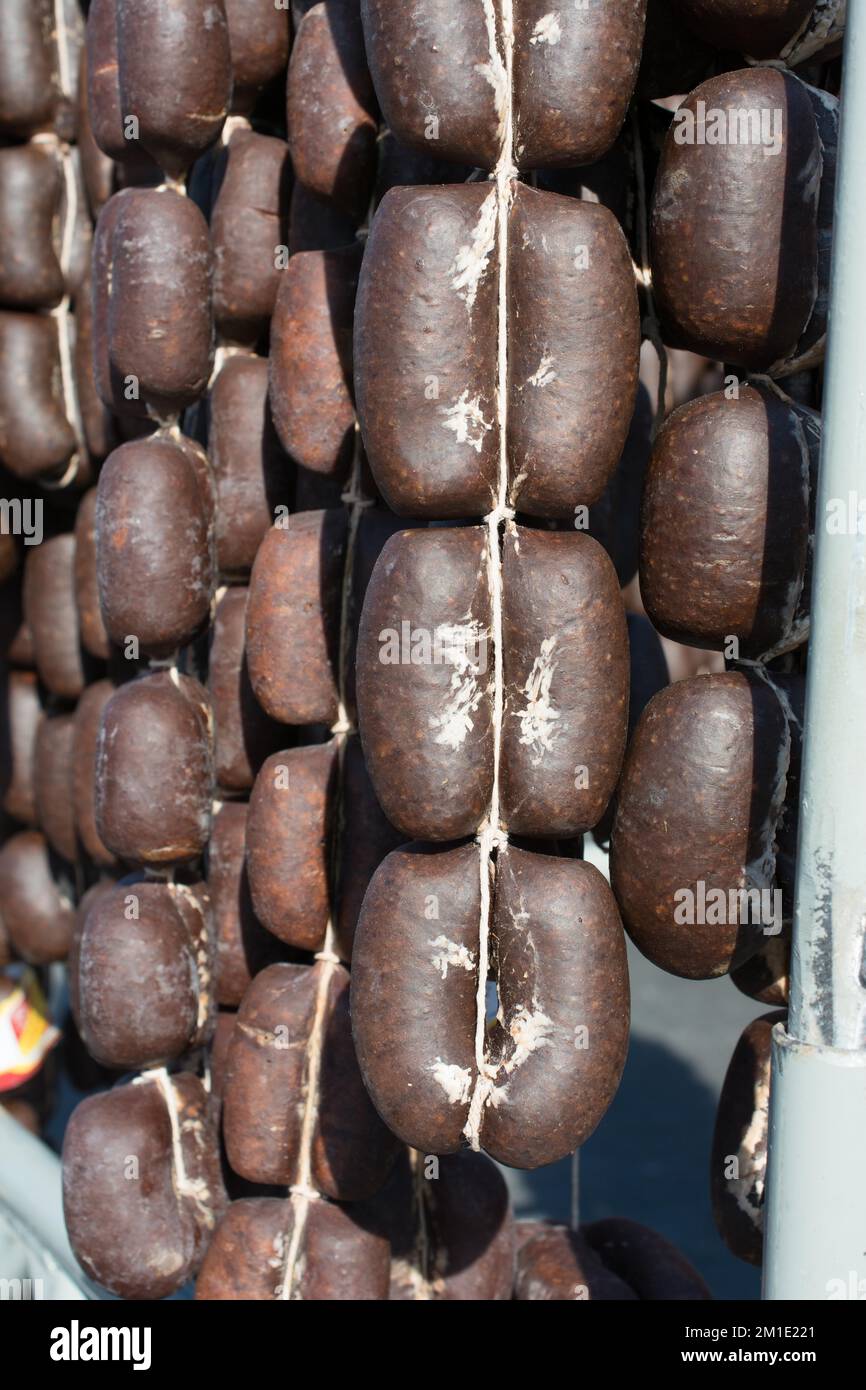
(816, 1196)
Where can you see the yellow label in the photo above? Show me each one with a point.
(26, 1032)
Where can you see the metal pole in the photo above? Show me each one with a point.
(816, 1196)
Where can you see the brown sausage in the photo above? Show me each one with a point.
(142, 1189)
(244, 735)
(738, 1166)
(699, 803)
(88, 716)
(259, 39)
(44, 227)
(32, 97)
(181, 105)
(107, 111)
(557, 1265)
(154, 770)
(561, 1037)
(36, 898)
(288, 859)
(339, 1258)
(103, 81)
(310, 363)
(573, 344)
(651, 1265)
(424, 672)
(159, 327)
(249, 221)
(293, 618)
(450, 1228)
(574, 73)
(331, 108)
(252, 474)
(553, 1057)
(444, 79)
(414, 986)
(154, 546)
(53, 782)
(52, 615)
(564, 643)
(428, 316)
(145, 974)
(733, 229)
(729, 479)
(37, 437)
(269, 1059)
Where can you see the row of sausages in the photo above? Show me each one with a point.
(173, 755)
(165, 743)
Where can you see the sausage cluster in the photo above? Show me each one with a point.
(492, 663)
(51, 425)
(707, 806)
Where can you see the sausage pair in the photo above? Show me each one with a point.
(428, 338)
(467, 80)
(426, 664)
(438, 1230)
(531, 1084)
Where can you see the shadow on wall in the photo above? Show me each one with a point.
(649, 1160)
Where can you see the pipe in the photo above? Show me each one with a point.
(815, 1228)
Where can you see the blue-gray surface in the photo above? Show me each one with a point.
(649, 1158)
